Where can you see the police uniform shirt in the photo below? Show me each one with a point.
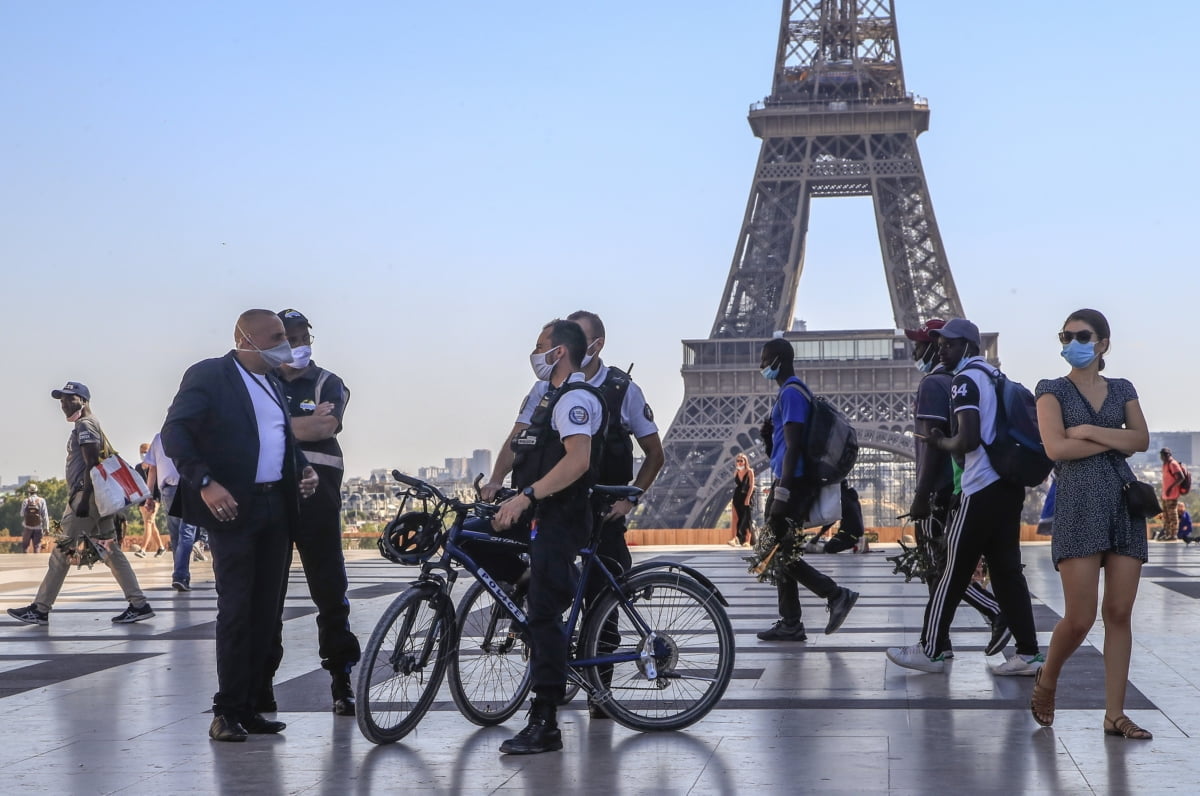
(636, 416)
(972, 390)
(933, 405)
(302, 401)
(577, 412)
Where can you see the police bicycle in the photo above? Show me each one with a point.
(655, 649)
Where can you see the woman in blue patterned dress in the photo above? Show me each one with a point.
(1089, 425)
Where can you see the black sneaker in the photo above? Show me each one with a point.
(784, 631)
(179, 585)
(131, 614)
(839, 607)
(1001, 635)
(29, 615)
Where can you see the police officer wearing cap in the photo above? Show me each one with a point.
(554, 467)
(316, 401)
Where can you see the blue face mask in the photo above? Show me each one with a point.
(771, 373)
(1079, 355)
(925, 366)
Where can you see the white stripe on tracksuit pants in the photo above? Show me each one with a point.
(986, 523)
(976, 595)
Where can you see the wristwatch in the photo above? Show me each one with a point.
(634, 499)
(205, 481)
(528, 492)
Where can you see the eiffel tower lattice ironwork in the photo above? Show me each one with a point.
(839, 122)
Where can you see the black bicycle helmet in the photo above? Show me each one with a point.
(411, 538)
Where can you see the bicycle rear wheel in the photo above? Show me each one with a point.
(489, 671)
(403, 664)
(685, 660)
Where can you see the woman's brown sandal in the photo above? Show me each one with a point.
(1123, 725)
(1041, 704)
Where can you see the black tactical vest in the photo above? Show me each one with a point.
(538, 448)
(617, 467)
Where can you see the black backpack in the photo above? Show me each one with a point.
(1016, 453)
(1185, 485)
(830, 442)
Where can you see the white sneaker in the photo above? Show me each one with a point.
(732, 543)
(1020, 666)
(914, 657)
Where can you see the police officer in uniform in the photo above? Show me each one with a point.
(316, 400)
(554, 465)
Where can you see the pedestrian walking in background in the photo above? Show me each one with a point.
(743, 502)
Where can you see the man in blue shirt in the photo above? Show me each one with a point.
(791, 498)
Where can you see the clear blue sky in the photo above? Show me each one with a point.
(430, 182)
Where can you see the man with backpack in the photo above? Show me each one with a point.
(988, 518)
(792, 496)
(1176, 482)
(35, 520)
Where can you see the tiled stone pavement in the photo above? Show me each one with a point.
(88, 707)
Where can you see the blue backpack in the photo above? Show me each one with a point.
(1016, 453)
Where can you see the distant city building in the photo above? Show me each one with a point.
(481, 462)
(457, 469)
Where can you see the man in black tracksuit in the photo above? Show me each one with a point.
(316, 401)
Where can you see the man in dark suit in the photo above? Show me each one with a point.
(242, 477)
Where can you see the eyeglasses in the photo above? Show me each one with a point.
(1084, 336)
(305, 340)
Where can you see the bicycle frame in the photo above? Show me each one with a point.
(452, 553)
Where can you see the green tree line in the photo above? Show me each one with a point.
(54, 490)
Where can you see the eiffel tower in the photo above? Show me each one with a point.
(838, 122)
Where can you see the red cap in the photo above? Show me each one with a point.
(922, 335)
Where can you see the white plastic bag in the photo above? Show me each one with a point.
(117, 485)
(827, 508)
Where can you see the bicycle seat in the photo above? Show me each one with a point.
(616, 492)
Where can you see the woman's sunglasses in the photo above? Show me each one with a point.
(1084, 336)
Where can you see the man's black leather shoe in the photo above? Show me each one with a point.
(255, 724)
(224, 728)
(539, 736)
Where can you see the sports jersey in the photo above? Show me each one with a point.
(933, 405)
(973, 391)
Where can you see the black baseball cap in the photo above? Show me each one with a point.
(291, 317)
(72, 388)
(959, 329)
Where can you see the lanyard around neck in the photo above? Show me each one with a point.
(263, 387)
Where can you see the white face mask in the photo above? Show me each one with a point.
(741, 467)
(275, 356)
(541, 368)
(301, 356)
(588, 356)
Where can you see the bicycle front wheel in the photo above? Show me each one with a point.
(403, 664)
(489, 671)
(684, 644)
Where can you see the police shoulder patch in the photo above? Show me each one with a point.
(308, 405)
(578, 415)
(648, 412)
(524, 401)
